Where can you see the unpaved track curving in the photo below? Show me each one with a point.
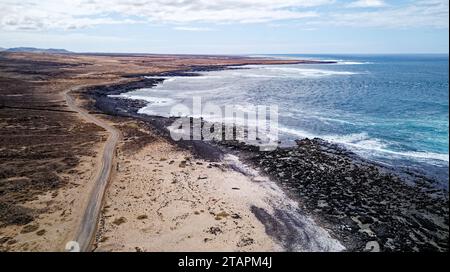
(88, 224)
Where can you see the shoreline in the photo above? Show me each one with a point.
(283, 219)
(162, 198)
(130, 108)
(51, 155)
(357, 232)
(157, 191)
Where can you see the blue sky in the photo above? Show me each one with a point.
(228, 26)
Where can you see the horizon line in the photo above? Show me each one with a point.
(219, 54)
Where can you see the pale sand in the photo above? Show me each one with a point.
(199, 207)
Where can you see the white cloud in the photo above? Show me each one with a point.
(194, 29)
(50, 14)
(74, 14)
(422, 13)
(367, 4)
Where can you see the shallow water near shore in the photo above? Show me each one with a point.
(391, 109)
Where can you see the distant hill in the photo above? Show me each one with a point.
(37, 50)
(2, 49)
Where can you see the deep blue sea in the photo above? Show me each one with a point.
(389, 108)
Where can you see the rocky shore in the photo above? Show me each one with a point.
(366, 206)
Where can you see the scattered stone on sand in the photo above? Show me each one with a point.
(259, 179)
(120, 221)
(142, 217)
(214, 230)
(4, 240)
(29, 228)
(236, 216)
(41, 232)
(245, 241)
(221, 215)
(11, 242)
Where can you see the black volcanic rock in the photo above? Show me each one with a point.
(359, 201)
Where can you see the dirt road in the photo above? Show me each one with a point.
(88, 224)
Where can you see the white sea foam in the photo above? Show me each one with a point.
(254, 75)
(166, 78)
(334, 120)
(202, 77)
(363, 141)
(363, 144)
(346, 62)
(353, 63)
(425, 155)
(291, 71)
(148, 110)
(357, 140)
(296, 132)
(257, 71)
(336, 61)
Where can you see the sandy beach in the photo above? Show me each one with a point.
(162, 198)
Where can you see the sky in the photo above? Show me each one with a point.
(228, 26)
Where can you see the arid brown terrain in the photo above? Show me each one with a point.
(49, 154)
